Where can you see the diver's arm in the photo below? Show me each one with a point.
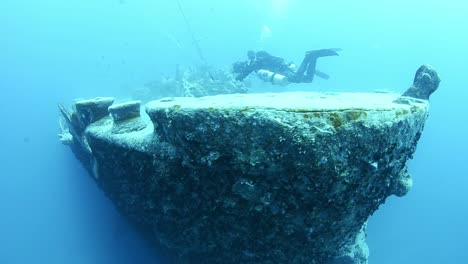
(242, 76)
(248, 70)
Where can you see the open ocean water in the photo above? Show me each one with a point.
(55, 51)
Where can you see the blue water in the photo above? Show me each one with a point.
(56, 51)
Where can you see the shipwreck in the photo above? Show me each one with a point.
(253, 178)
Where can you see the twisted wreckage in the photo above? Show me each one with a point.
(253, 178)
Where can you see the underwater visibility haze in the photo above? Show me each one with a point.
(51, 52)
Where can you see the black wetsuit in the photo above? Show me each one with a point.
(262, 60)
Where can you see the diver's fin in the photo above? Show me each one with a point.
(323, 52)
(322, 74)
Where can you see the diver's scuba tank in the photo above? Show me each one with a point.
(272, 77)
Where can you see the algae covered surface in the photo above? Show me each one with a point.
(257, 178)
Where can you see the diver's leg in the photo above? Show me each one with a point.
(302, 68)
(310, 62)
(306, 71)
(310, 72)
(321, 74)
(294, 78)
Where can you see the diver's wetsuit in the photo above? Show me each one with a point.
(262, 60)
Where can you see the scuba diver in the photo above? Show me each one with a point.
(273, 69)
